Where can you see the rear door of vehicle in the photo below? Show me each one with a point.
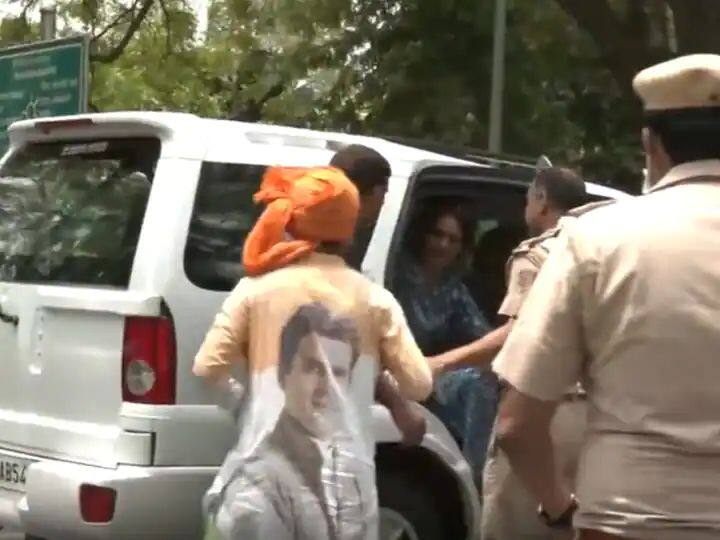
(71, 213)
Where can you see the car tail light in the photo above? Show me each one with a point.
(97, 504)
(46, 126)
(149, 361)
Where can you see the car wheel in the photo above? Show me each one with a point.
(410, 506)
(395, 526)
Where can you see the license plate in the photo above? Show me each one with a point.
(13, 472)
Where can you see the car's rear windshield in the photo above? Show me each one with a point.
(71, 211)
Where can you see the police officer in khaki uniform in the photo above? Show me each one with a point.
(508, 510)
(629, 301)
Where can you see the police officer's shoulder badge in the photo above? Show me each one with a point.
(525, 279)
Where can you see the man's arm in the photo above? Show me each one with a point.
(406, 415)
(542, 358)
(225, 343)
(523, 432)
(399, 353)
(482, 351)
(476, 354)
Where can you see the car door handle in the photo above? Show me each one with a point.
(9, 319)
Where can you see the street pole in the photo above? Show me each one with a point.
(498, 78)
(48, 22)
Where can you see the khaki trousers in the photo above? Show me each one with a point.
(509, 511)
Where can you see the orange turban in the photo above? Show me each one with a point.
(313, 205)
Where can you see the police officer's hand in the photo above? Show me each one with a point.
(438, 363)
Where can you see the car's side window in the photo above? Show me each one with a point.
(493, 216)
(223, 215)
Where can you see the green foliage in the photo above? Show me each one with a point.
(16, 30)
(412, 68)
(422, 70)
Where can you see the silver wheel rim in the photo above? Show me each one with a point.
(394, 526)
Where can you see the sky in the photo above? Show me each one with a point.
(8, 9)
(13, 8)
(201, 8)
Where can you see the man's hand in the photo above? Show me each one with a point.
(410, 421)
(561, 519)
(438, 363)
(479, 353)
(523, 433)
(228, 392)
(408, 416)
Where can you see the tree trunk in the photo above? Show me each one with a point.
(623, 43)
(626, 43)
(133, 27)
(697, 23)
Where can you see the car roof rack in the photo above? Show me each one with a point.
(522, 166)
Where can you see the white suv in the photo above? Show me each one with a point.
(120, 235)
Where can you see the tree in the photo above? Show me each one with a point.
(627, 36)
(143, 53)
(632, 34)
(102, 20)
(164, 68)
(421, 69)
(411, 68)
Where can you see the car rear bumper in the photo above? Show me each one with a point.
(151, 503)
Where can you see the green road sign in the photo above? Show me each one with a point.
(42, 79)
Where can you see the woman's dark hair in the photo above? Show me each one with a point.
(688, 134)
(314, 318)
(427, 219)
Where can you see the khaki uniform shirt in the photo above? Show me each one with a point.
(527, 259)
(522, 268)
(251, 494)
(630, 300)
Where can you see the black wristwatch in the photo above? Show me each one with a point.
(564, 520)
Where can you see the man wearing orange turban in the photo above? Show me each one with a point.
(300, 325)
(306, 207)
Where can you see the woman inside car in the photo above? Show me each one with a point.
(443, 315)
